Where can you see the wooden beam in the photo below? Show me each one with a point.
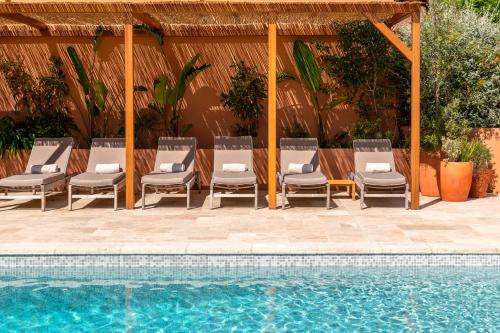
(23, 19)
(129, 115)
(397, 18)
(389, 34)
(148, 20)
(271, 113)
(415, 111)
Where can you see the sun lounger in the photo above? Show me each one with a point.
(370, 155)
(173, 170)
(46, 170)
(105, 155)
(296, 152)
(233, 168)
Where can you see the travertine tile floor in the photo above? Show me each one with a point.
(236, 228)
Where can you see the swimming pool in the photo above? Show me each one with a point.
(250, 299)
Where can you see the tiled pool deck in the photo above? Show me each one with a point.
(306, 228)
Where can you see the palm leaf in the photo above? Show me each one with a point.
(96, 42)
(334, 103)
(101, 94)
(83, 78)
(155, 33)
(309, 69)
(188, 73)
(284, 76)
(161, 90)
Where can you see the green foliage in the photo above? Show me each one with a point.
(373, 73)
(369, 129)
(459, 68)
(310, 74)
(244, 98)
(155, 33)
(296, 130)
(167, 96)
(480, 154)
(464, 150)
(41, 104)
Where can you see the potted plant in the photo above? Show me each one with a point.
(456, 169)
(482, 174)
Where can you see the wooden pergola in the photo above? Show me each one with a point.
(219, 18)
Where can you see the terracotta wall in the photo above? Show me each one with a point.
(202, 106)
(335, 163)
(491, 137)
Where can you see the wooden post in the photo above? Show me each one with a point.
(415, 110)
(129, 114)
(271, 113)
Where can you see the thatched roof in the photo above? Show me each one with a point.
(193, 17)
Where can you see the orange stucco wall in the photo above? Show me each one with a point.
(201, 106)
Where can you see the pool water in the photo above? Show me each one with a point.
(333, 299)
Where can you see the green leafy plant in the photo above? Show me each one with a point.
(459, 67)
(296, 130)
(40, 104)
(244, 98)
(373, 74)
(479, 154)
(310, 74)
(99, 108)
(368, 129)
(167, 96)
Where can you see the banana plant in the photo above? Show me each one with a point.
(167, 96)
(310, 74)
(95, 90)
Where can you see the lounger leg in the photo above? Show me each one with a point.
(143, 197)
(406, 196)
(211, 196)
(42, 190)
(361, 197)
(188, 195)
(115, 190)
(327, 196)
(256, 203)
(283, 195)
(70, 197)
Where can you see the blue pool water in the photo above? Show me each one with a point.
(333, 299)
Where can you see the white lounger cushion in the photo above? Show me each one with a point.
(107, 168)
(234, 167)
(378, 167)
(172, 167)
(300, 168)
(44, 168)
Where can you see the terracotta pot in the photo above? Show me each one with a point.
(455, 180)
(429, 174)
(480, 180)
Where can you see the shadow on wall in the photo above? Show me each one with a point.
(201, 106)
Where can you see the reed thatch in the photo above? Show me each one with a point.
(192, 17)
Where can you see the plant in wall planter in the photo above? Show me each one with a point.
(456, 169)
(482, 174)
(245, 97)
(310, 74)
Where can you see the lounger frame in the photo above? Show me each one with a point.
(230, 188)
(300, 188)
(116, 188)
(364, 189)
(45, 190)
(174, 190)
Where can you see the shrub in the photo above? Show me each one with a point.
(459, 65)
(296, 130)
(245, 97)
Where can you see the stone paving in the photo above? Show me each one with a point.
(236, 228)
